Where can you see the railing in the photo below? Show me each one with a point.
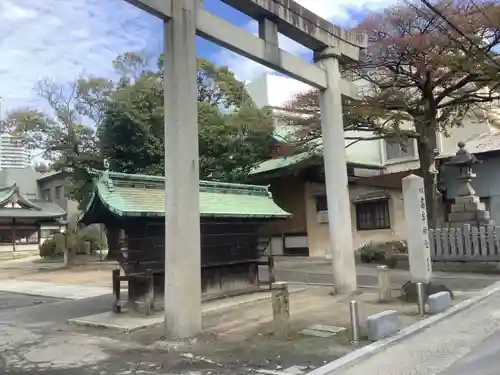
(467, 244)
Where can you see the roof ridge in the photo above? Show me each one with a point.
(205, 186)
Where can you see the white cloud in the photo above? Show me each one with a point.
(338, 12)
(61, 39)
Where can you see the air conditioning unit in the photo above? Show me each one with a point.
(322, 216)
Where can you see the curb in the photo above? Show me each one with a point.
(370, 350)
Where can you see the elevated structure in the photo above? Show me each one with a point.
(184, 19)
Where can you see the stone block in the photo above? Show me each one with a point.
(438, 302)
(472, 223)
(483, 215)
(458, 207)
(468, 207)
(462, 216)
(382, 325)
(475, 207)
(471, 199)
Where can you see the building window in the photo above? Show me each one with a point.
(321, 204)
(46, 195)
(399, 149)
(59, 189)
(373, 215)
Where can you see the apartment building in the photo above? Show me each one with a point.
(13, 152)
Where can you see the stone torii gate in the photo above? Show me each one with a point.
(183, 20)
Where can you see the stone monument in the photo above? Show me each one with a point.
(417, 230)
(467, 208)
(417, 234)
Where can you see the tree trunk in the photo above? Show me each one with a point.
(427, 143)
(113, 236)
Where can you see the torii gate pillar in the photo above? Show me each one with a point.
(182, 209)
(337, 190)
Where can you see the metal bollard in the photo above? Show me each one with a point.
(354, 316)
(421, 299)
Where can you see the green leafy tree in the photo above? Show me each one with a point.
(234, 134)
(95, 118)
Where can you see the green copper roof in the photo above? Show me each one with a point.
(13, 204)
(141, 195)
(295, 161)
(279, 163)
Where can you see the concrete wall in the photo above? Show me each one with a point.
(473, 126)
(71, 207)
(273, 90)
(25, 178)
(318, 232)
(367, 152)
(288, 193)
(486, 183)
(447, 144)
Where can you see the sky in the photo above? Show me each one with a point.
(61, 39)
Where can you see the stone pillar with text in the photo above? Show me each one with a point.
(417, 230)
(417, 236)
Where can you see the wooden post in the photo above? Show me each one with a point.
(116, 291)
(281, 309)
(270, 267)
(150, 294)
(384, 284)
(14, 235)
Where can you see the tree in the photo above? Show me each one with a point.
(95, 118)
(42, 167)
(61, 137)
(132, 130)
(422, 75)
(234, 134)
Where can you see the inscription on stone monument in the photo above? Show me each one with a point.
(417, 229)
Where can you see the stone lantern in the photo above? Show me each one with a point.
(467, 208)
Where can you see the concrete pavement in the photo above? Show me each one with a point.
(12, 301)
(482, 360)
(455, 345)
(34, 339)
(67, 291)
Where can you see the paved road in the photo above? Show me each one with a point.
(467, 343)
(319, 272)
(12, 301)
(483, 360)
(35, 339)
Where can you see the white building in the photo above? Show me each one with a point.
(275, 92)
(13, 152)
(377, 210)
